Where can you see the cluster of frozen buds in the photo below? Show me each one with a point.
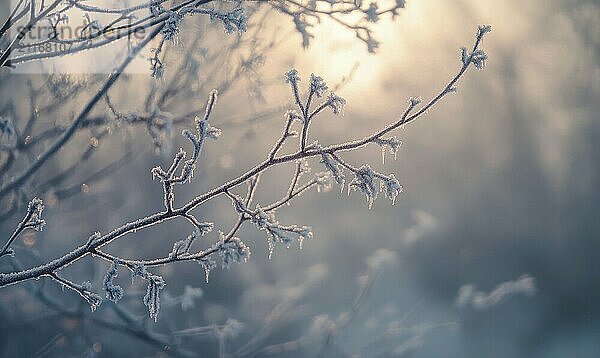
(276, 232)
(333, 167)
(232, 20)
(180, 248)
(292, 76)
(478, 57)
(336, 103)
(365, 181)
(231, 250)
(34, 211)
(317, 85)
(171, 29)
(203, 131)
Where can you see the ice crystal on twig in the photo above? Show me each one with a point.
(392, 144)
(208, 264)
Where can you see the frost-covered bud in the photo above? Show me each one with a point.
(336, 103)
(365, 182)
(372, 15)
(213, 132)
(232, 251)
(138, 270)
(182, 247)
(208, 264)
(171, 29)
(238, 204)
(187, 171)
(232, 20)
(292, 115)
(156, 66)
(304, 233)
(34, 215)
(372, 45)
(317, 85)
(261, 219)
(292, 76)
(207, 131)
(332, 166)
(236, 19)
(484, 29)
(390, 187)
(113, 292)
(286, 234)
(280, 235)
(205, 228)
(414, 101)
(479, 59)
(156, 8)
(158, 172)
